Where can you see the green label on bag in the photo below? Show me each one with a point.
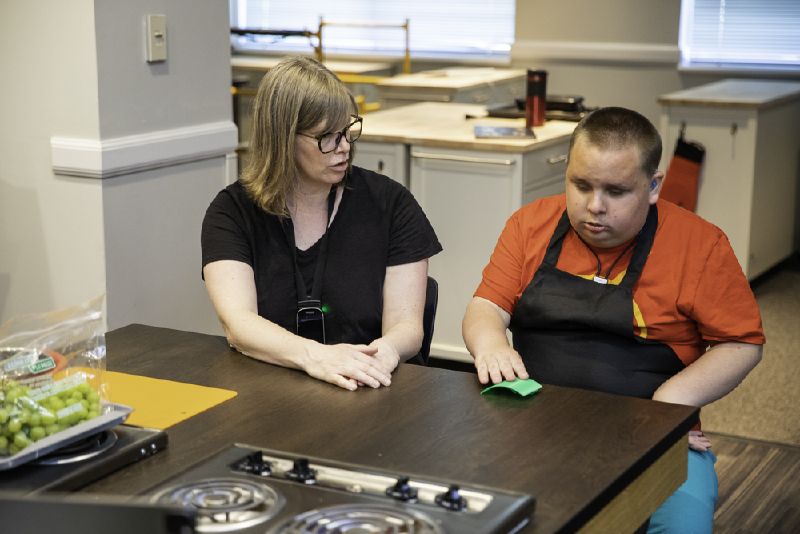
(44, 364)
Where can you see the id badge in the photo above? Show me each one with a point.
(311, 320)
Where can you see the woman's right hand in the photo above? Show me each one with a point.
(345, 365)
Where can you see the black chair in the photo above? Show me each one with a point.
(428, 318)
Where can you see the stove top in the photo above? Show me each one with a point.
(83, 462)
(246, 489)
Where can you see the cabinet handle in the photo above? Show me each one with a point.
(465, 159)
(552, 160)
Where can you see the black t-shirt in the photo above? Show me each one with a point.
(378, 224)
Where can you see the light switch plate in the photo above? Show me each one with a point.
(156, 38)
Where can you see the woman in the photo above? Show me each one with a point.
(311, 263)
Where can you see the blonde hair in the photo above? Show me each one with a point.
(296, 95)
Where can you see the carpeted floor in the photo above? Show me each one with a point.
(766, 406)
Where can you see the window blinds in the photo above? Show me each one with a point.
(436, 29)
(763, 33)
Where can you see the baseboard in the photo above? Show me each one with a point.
(106, 158)
(599, 52)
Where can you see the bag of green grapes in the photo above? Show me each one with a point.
(51, 381)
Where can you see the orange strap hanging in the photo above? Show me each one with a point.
(682, 182)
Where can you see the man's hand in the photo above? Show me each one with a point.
(498, 365)
(698, 441)
(484, 330)
(346, 365)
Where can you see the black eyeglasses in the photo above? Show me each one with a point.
(329, 141)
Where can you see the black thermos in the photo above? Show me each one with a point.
(536, 98)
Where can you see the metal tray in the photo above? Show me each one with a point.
(113, 417)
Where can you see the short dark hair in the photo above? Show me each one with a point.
(615, 127)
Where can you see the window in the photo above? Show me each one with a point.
(479, 29)
(740, 34)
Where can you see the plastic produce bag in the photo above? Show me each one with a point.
(51, 374)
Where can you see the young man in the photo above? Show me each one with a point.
(607, 288)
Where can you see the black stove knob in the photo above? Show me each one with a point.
(452, 499)
(301, 472)
(402, 491)
(254, 464)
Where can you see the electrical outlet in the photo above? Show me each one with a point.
(156, 38)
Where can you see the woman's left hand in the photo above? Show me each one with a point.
(698, 441)
(387, 356)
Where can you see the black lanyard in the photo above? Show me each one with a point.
(303, 296)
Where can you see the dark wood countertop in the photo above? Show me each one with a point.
(576, 451)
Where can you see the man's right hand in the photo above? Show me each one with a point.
(501, 364)
(345, 365)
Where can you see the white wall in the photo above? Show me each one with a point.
(82, 75)
(51, 232)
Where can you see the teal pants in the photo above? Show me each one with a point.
(690, 510)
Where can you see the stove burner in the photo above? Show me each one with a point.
(87, 448)
(224, 504)
(361, 519)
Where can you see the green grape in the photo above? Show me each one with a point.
(35, 420)
(48, 419)
(13, 449)
(3, 443)
(37, 433)
(21, 440)
(93, 396)
(52, 429)
(55, 403)
(14, 426)
(85, 388)
(3, 416)
(70, 401)
(76, 394)
(92, 414)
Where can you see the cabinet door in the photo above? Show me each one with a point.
(390, 159)
(467, 196)
(726, 183)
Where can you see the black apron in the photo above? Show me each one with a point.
(575, 332)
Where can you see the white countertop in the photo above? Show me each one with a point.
(439, 124)
(339, 67)
(452, 78)
(735, 93)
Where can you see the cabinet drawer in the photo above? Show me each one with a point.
(544, 187)
(545, 163)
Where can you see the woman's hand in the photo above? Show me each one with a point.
(698, 441)
(346, 365)
(385, 355)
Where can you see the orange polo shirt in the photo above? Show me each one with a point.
(691, 293)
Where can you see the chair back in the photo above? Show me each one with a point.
(428, 318)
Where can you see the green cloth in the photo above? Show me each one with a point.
(523, 388)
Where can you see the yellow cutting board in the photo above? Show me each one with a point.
(160, 403)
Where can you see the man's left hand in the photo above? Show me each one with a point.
(698, 441)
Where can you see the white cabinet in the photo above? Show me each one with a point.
(390, 159)
(748, 186)
(468, 195)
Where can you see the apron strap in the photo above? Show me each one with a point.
(644, 242)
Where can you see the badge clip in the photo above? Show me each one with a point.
(600, 280)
